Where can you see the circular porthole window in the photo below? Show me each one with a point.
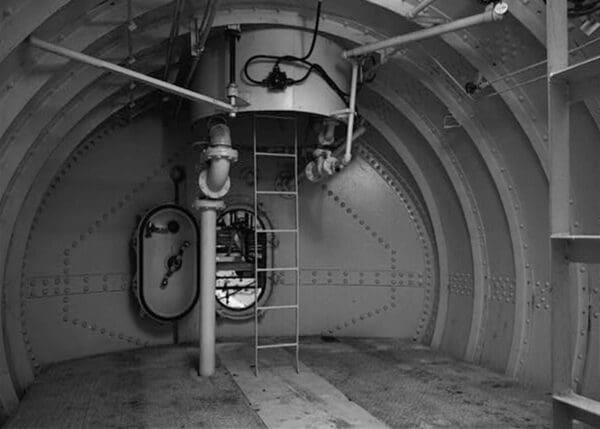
(237, 289)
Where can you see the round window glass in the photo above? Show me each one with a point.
(237, 289)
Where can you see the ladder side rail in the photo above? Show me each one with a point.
(297, 224)
(256, 227)
(258, 230)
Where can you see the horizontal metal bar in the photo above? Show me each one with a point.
(582, 79)
(278, 307)
(275, 231)
(494, 13)
(234, 287)
(280, 155)
(277, 269)
(275, 346)
(580, 408)
(342, 112)
(276, 193)
(237, 266)
(580, 248)
(148, 80)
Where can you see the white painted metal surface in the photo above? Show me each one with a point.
(313, 95)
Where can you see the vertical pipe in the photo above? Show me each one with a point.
(352, 112)
(208, 253)
(232, 57)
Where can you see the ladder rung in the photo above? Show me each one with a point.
(276, 193)
(277, 269)
(276, 230)
(277, 307)
(281, 155)
(274, 346)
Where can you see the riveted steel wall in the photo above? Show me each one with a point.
(369, 262)
(49, 107)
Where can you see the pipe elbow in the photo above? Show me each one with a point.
(218, 174)
(214, 181)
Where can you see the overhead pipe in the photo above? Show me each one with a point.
(492, 13)
(148, 80)
(199, 37)
(420, 7)
(172, 35)
(207, 22)
(351, 113)
(214, 183)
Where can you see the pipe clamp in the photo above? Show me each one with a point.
(221, 152)
(206, 204)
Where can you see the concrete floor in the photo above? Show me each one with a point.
(410, 386)
(391, 382)
(153, 387)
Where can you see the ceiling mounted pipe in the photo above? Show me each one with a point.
(492, 13)
(148, 80)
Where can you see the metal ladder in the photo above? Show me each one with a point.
(295, 231)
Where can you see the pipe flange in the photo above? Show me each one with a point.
(499, 10)
(221, 152)
(206, 204)
(202, 182)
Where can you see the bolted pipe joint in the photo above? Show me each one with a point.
(326, 135)
(219, 135)
(499, 10)
(214, 181)
(324, 165)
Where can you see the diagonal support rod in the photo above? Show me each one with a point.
(148, 80)
(494, 13)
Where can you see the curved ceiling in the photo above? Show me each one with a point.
(494, 160)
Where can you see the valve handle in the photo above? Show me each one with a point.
(174, 264)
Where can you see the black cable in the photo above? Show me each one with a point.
(315, 32)
(278, 80)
